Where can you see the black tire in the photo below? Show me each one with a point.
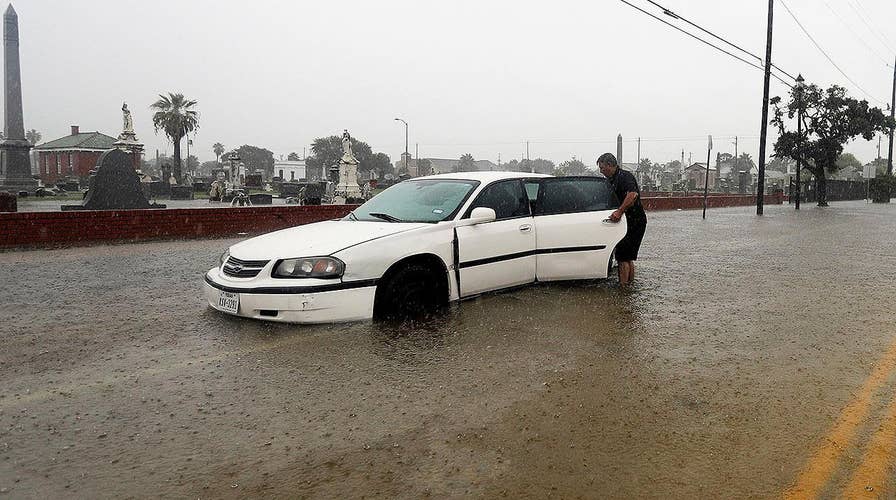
(412, 291)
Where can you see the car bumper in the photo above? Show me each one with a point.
(333, 306)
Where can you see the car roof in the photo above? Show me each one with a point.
(483, 177)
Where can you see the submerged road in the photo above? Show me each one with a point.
(755, 357)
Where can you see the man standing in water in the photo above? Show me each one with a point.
(624, 185)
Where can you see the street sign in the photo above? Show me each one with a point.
(870, 171)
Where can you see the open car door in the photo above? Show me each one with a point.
(575, 239)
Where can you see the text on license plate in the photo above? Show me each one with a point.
(228, 302)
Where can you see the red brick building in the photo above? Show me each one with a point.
(72, 156)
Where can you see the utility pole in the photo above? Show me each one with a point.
(706, 179)
(892, 116)
(639, 151)
(760, 188)
(499, 161)
(528, 163)
(417, 156)
(799, 133)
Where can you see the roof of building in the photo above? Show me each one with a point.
(699, 166)
(81, 140)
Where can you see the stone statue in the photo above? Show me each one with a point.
(128, 121)
(347, 156)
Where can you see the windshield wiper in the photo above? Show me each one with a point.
(352, 215)
(385, 217)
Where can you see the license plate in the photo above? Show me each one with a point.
(228, 302)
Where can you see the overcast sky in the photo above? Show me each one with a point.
(478, 77)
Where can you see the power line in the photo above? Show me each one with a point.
(674, 15)
(704, 41)
(855, 34)
(817, 46)
(873, 31)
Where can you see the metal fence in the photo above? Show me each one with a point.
(838, 190)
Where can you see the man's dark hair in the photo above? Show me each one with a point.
(608, 159)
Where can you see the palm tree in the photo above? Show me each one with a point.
(175, 116)
(33, 136)
(218, 148)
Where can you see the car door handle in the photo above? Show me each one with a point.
(608, 222)
(525, 228)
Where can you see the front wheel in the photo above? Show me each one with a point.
(412, 291)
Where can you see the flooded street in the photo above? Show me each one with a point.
(754, 355)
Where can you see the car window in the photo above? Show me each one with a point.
(506, 198)
(532, 190)
(424, 200)
(559, 196)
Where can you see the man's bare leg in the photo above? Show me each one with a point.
(625, 275)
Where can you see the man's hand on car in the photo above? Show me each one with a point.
(616, 216)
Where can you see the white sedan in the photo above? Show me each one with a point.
(420, 245)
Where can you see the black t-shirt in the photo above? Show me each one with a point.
(623, 182)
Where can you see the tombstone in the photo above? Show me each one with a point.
(181, 192)
(253, 181)
(72, 185)
(200, 186)
(114, 186)
(261, 199)
(8, 202)
(290, 189)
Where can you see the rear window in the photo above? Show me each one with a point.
(561, 196)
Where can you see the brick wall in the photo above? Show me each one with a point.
(715, 201)
(47, 229)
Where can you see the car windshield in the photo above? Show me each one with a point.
(430, 200)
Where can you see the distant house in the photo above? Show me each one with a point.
(695, 176)
(290, 170)
(71, 156)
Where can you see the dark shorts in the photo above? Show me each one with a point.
(627, 249)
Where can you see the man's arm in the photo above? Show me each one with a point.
(630, 198)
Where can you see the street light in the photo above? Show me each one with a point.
(406, 155)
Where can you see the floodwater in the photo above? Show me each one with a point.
(746, 347)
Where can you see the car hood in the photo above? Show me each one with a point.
(320, 238)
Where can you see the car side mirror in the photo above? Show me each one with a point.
(479, 215)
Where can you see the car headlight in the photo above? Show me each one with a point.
(309, 267)
(224, 257)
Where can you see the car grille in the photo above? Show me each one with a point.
(243, 268)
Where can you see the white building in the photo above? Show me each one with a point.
(289, 170)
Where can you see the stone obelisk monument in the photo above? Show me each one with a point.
(15, 166)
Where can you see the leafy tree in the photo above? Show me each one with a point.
(381, 164)
(293, 157)
(176, 117)
(327, 151)
(33, 136)
(467, 164)
(255, 158)
(745, 162)
(645, 165)
(424, 167)
(205, 168)
(830, 120)
(848, 160)
(571, 167)
(538, 165)
(192, 163)
(779, 164)
(218, 148)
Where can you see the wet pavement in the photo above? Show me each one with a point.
(753, 358)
